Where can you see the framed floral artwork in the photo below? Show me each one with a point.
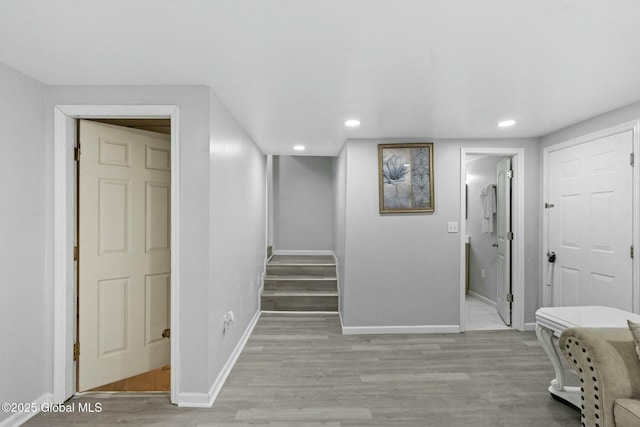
(405, 174)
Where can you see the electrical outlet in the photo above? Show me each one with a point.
(227, 319)
(452, 227)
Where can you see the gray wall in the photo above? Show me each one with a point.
(222, 229)
(270, 201)
(194, 204)
(238, 235)
(22, 243)
(403, 270)
(483, 256)
(303, 203)
(603, 121)
(339, 219)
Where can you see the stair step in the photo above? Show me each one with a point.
(297, 302)
(299, 270)
(301, 278)
(302, 260)
(300, 284)
(299, 294)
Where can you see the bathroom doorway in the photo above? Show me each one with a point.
(490, 251)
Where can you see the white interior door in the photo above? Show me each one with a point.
(590, 223)
(125, 259)
(503, 234)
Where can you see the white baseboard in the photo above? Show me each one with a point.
(302, 252)
(483, 299)
(529, 326)
(298, 312)
(417, 329)
(205, 400)
(261, 288)
(19, 418)
(194, 400)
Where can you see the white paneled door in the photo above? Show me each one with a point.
(503, 234)
(124, 247)
(589, 211)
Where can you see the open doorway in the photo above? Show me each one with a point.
(65, 292)
(492, 246)
(124, 254)
(488, 247)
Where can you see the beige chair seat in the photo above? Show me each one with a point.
(626, 412)
(609, 371)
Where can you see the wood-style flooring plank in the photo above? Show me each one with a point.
(299, 370)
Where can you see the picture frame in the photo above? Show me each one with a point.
(405, 178)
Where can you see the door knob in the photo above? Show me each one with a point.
(495, 244)
(166, 333)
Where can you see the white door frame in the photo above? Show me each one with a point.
(634, 127)
(64, 292)
(517, 226)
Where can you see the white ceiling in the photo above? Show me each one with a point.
(291, 71)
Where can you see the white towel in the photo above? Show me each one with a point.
(488, 197)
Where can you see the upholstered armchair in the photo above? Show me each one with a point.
(609, 371)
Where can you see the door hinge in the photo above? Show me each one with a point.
(549, 205)
(76, 351)
(75, 253)
(510, 173)
(509, 297)
(509, 235)
(76, 153)
(631, 251)
(631, 159)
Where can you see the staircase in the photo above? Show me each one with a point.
(300, 283)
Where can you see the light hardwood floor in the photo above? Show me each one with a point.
(298, 370)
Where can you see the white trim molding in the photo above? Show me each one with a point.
(284, 313)
(415, 329)
(518, 221)
(303, 252)
(261, 285)
(634, 127)
(64, 288)
(206, 400)
(21, 417)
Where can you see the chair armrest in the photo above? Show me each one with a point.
(608, 367)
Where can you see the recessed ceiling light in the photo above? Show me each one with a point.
(506, 123)
(352, 123)
(298, 147)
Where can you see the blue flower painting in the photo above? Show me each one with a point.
(395, 171)
(406, 177)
